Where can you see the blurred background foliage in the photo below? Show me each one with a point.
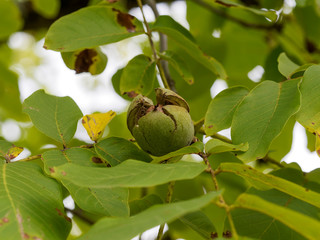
(246, 43)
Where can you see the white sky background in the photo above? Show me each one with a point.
(95, 93)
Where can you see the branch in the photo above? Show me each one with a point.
(163, 46)
(217, 11)
(149, 34)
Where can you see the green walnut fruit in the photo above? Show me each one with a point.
(162, 128)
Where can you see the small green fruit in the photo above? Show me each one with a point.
(163, 128)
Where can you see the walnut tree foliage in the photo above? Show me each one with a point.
(226, 188)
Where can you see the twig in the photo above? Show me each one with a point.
(163, 46)
(202, 3)
(79, 214)
(233, 228)
(149, 34)
(168, 200)
(30, 158)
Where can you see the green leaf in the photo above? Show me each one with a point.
(309, 113)
(90, 27)
(195, 148)
(91, 60)
(255, 224)
(199, 222)
(127, 228)
(56, 117)
(138, 76)
(106, 201)
(261, 116)
(281, 145)
(293, 219)
(80, 156)
(270, 181)
(46, 8)
(181, 36)
(10, 19)
(130, 173)
(286, 66)
(214, 146)
(221, 109)
(116, 150)
(270, 14)
(139, 205)
(178, 64)
(30, 204)
(4, 148)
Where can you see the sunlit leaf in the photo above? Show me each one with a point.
(293, 219)
(178, 64)
(106, 201)
(56, 117)
(270, 181)
(261, 116)
(214, 146)
(309, 113)
(195, 148)
(182, 37)
(221, 109)
(130, 173)
(90, 27)
(96, 123)
(138, 76)
(30, 204)
(286, 66)
(127, 228)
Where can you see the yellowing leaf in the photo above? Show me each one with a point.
(96, 123)
(13, 152)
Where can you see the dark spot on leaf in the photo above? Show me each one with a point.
(112, 114)
(26, 236)
(36, 238)
(67, 218)
(112, 1)
(225, 4)
(51, 170)
(45, 47)
(63, 173)
(210, 126)
(108, 165)
(141, 86)
(83, 121)
(214, 235)
(125, 20)
(96, 160)
(307, 190)
(312, 123)
(227, 234)
(85, 60)
(131, 94)
(233, 148)
(60, 48)
(5, 219)
(318, 151)
(89, 189)
(59, 212)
